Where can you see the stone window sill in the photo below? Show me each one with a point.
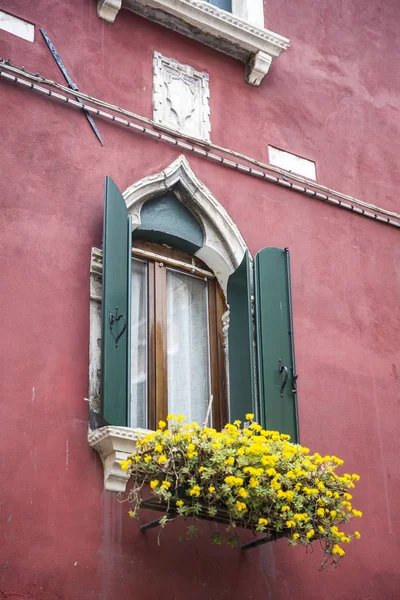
(114, 444)
(256, 47)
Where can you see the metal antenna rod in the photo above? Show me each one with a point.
(70, 82)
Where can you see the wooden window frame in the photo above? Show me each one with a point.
(157, 408)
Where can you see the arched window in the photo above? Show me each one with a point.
(178, 321)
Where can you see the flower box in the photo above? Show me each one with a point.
(243, 477)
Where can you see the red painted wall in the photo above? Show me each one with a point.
(333, 98)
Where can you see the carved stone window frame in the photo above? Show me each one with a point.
(223, 251)
(240, 34)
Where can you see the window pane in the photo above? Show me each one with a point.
(225, 4)
(187, 346)
(139, 353)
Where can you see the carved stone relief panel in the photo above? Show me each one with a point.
(181, 98)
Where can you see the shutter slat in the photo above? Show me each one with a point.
(240, 342)
(274, 341)
(116, 302)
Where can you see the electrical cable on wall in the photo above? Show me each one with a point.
(352, 204)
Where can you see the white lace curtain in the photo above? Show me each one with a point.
(139, 341)
(187, 345)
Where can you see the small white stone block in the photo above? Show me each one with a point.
(181, 98)
(257, 67)
(17, 27)
(291, 162)
(108, 9)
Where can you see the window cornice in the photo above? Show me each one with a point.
(255, 46)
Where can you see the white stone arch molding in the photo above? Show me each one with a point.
(224, 247)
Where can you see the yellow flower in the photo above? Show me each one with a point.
(357, 513)
(201, 469)
(237, 423)
(249, 416)
(230, 461)
(147, 458)
(242, 493)
(355, 477)
(211, 489)
(162, 424)
(170, 417)
(296, 536)
(162, 459)
(233, 481)
(180, 418)
(131, 514)
(357, 534)
(158, 448)
(334, 529)
(285, 508)
(301, 517)
(195, 491)
(179, 503)
(321, 529)
(191, 454)
(240, 506)
(338, 550)
(333, 514)
(290, 524)
(154, 483)
(310, 533)
(253, 482)
(270, 472)
(166, 484)
(125, 464)
(320, 512)
(262, 521)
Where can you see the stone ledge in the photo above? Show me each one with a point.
(115, 444)
(256, 47)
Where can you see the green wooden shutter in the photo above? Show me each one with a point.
(116, 307)
(240, 341)
(274, 341)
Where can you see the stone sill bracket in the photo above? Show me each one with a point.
(256, 47)
(115, 444)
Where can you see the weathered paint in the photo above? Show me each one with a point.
(333, 97)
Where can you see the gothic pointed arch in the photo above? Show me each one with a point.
(223, 246)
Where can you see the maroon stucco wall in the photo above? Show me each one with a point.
(333, 98)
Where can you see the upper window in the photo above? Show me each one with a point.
(240, 34)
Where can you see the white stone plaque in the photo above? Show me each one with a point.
(181, 98)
